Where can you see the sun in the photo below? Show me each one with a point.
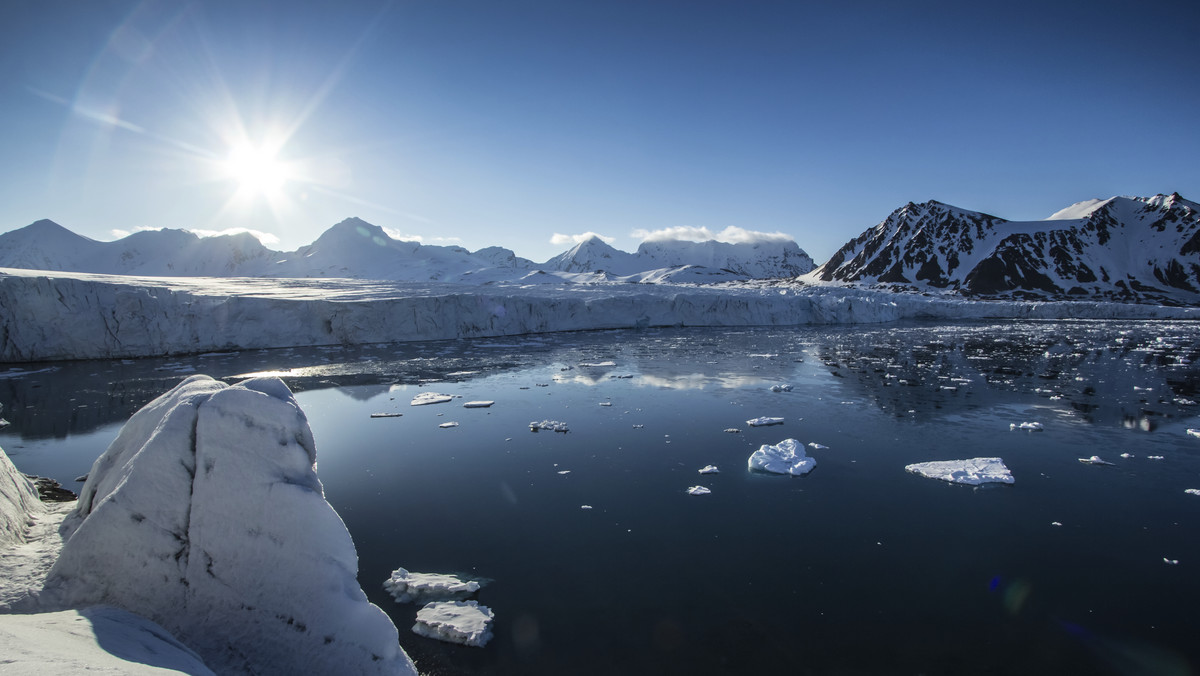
(257, 170)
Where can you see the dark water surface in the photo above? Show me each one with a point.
(858, 568)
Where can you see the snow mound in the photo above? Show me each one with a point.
(764, 422)
(786, 457)
(464, 622)
(698, 490)
(206, 516)
(408, 587)
(972, 472)
(426, 398)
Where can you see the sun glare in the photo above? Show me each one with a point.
(257, 170)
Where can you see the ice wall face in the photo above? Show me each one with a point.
(206, 516)
(18, 501)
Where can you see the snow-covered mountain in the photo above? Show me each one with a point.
(1124, 248)
(357, 249)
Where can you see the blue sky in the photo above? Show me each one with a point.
(508, 122)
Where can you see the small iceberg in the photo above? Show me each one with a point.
(815, 446)
(764, 421)
(973, 471)
(786, 457)
(698, 490)
(552, 425)
(386, 415)
(1192, 491)
(1194, 432)
(478, 404)
(709, 469)
(781, 388)
(1034, 426)
(597, 364)
(732, 430)
(426, 398)
(464, 622)
(1094, 460)
(447, 425)
(408, 587)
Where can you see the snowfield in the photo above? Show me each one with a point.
(61, 315)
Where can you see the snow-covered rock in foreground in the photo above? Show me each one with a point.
(464, 622)
(206, 516)
(408, 587)
(786, 457)
(973, 471)
(19, 503)
(96, 640)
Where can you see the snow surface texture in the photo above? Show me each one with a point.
(464, 622)
(408, 587)
(973, 471)
(206, 516)
(786, 457)
(83, 316)
(19, 504)
(96, 640)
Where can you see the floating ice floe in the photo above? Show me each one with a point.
(1126, 455)
(973, 471)
(597, 364)
(1192, 491)
(1094, 460)
(1194, 432)
(1055, 523)
(815, 446)
(386, 415)
(732, 430)
(709, 469)
(1170, 562)
(698, 490)
(781, 388)
(786, 457)
(764, 421)
(1154, 457)
(464, 622)
(426, 398)
(1035, 426)
(585, 506)
(606, 403)
(408, 587)
(552, 425)
(478, 404)
(447, 425)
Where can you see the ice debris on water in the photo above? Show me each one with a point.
(1170, 562)
(1192, 491)
(597, 364)
(1154, 457)
(781, 388)
(478, 404)
(698, 490)
(815, 446)
(709, 469)
(386, 415)
(732, 430)
(785, 457)
(407, 587)
(1094, 460)
(1055, 523)
(972, 471)
(764, 421)
(585, 506)
(426, 398)
(552, 425)
(1194, 432)
(447, 425)
(1126, 455)
(1034, 426)
(464, 622)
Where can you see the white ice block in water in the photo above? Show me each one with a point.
(698, 490)
(1034, 426)
(408, 587)
(478, 404)
(781, 388)
(1094, 460)
(815, 446)
(448, 425)
(764, 421)
(426, 398)
(464, 622)
(973, 471)
(552, 425)
(709, 469)
(1194, 432)
(786, 457)
(1192, 491)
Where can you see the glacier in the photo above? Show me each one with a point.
(205, 518)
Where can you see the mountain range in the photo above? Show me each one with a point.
(355, 248)
(1142, 249)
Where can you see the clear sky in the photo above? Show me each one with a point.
(508, 122)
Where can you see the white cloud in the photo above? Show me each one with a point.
(560, 239)
(401, 236)
(731, 234)
(266, 238)
(120, 233)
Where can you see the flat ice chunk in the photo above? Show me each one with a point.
(815, 446)
(709, 469)
(1192, 491)
(786, 457)
(426, 398)
(781, 388)
(552, 425)
(698, 490)
(973, 471)
(764, 421)
(447, 425)
(1035, 426)
(1194, 432)
(478, 404)
(386, 415)
(732, 430)
(597, 364)
(1094, 460)
(408, 587)
(464, 622)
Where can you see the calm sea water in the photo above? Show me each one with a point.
(857, 568)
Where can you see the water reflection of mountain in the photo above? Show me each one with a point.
(1136, 374)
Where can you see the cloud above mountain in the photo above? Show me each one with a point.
(559, 239)
(731, 234)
